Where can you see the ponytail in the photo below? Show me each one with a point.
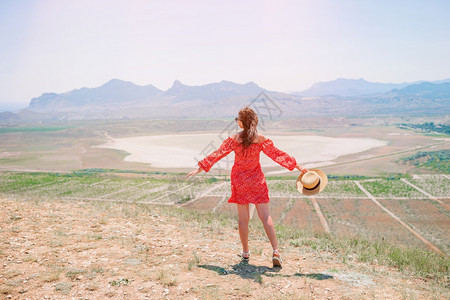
(249, 120)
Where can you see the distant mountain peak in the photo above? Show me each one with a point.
(252, 84)
(348, 88)
(118, 82)
(177, 83)
(177, 87)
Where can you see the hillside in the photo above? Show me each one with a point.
(56, 249)
(111, 93)
(426, 90)
(104, 234)
(118, 99)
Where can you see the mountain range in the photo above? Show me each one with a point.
(119, 99)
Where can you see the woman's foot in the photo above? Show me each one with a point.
(276, 259)
(245, 255)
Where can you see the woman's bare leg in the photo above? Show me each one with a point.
(266, 219)
(244, 217)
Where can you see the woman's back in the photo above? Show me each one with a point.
(247, 157)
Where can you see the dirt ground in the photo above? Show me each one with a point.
(95, 250)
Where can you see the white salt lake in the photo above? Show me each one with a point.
(183, 151)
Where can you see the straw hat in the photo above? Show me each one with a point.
(312, 182)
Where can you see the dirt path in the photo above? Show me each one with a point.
(97, 250)
(322, 219)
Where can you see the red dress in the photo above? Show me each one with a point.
(248, 184)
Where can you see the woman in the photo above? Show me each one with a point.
(248, 184)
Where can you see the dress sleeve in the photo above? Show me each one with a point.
(278, 156)
(227, 146)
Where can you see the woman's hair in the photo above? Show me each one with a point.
(250, 120)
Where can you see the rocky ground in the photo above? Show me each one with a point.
(94, 250)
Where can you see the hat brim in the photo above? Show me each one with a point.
(318, 189)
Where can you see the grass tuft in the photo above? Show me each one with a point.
(63, 287)
(194, 262)
(167, 278)
(52, 275)
(74, 273)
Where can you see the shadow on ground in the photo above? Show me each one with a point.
(249, 271)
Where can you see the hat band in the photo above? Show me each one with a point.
(313, 188)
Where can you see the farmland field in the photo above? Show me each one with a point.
(427, 217)
(346, 209)
(363, 217)
(434, 184)
(303, 215)
(391, 188)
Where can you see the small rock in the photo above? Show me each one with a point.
(166, 292)
(9, 296)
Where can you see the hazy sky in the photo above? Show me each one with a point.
(57, 46)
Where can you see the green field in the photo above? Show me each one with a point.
(432, 160)
(31, 129)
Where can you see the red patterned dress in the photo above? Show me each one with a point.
(248, 184)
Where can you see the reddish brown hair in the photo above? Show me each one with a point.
(249, 120)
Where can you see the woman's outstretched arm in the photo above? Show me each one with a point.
(196, 171)
(281, 157)
(205, 164)
(278, 156)
(301, 168)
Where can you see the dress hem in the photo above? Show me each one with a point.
(235, 202)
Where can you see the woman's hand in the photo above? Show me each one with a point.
(194, 172)
(301, 169)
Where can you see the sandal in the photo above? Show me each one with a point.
(276, 259)
(245, 255)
